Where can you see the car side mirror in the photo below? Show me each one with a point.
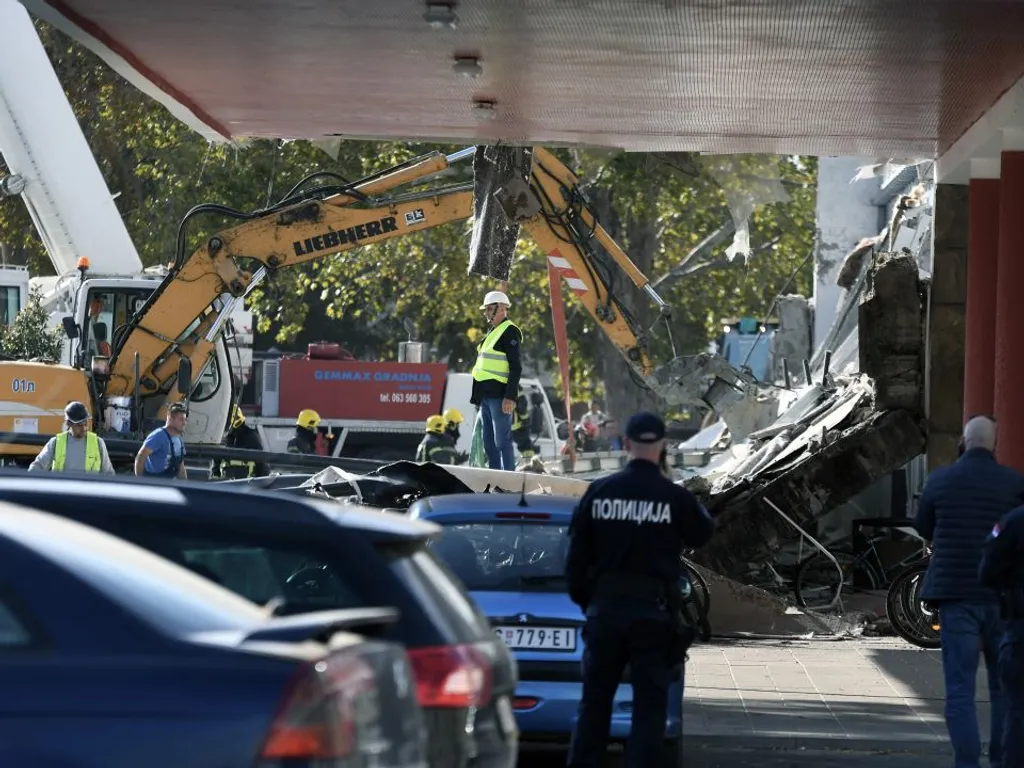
(70, 327)
(185, 376)
(536, 398)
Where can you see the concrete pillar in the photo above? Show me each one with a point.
(1009, 352)
(982, 260)
(947, 295)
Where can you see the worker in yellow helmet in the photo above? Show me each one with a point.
(452, 419)
(75, 450)
(239, 435)
(436, 446)
(305, 432)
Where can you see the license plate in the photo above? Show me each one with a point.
(538, 638)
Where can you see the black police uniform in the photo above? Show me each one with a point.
(303, 442)
(623, 569)
(242, 436)
(1002, 568)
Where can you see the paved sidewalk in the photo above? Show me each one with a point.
(856, 694)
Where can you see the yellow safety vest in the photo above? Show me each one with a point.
(492, 364)
(93, 458)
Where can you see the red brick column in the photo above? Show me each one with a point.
(1009, 369)
(980, 324)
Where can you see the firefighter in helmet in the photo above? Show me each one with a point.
(453, 419)
(305, 432)
(436, 446)
(239, 435)
(521, 427)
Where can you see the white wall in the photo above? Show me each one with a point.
(846, 213)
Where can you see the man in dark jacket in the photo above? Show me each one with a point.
(957, 510)
(240, 435)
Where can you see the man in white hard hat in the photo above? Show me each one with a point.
(496, 381)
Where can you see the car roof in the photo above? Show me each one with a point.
(269, 506)
(484, 506)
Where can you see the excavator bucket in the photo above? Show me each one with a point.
(500, 175)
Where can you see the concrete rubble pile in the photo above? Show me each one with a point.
(836, 439)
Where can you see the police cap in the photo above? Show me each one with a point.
(645, 427)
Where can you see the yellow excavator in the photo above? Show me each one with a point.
(175, 330)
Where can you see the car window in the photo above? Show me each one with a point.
(512, 556)
(13, 634)
(250, 565)
(440, 595)
(159, 593)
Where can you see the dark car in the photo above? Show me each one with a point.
(511, 557)
(305, 555)
(115, 658)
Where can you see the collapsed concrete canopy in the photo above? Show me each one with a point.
(839, 437)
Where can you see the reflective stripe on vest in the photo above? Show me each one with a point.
(92, 452)
(492, 364)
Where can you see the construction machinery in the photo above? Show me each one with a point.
(176, 328)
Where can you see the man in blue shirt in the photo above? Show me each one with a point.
(163, 452)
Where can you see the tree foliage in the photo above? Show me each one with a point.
(658, 207)
(29, 336)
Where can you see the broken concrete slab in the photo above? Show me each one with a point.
(849, 435)
(739, 609)
(891, 327)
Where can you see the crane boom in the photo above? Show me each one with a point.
(46, 152)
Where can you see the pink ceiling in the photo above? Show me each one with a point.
(826, 77)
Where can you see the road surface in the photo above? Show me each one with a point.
(739, 757)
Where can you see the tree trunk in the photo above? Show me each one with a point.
(624, 396)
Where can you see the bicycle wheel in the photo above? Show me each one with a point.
(818, 585)
(698, 617)
(908, 614)
(700, 585)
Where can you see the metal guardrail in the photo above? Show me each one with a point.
(121, 449)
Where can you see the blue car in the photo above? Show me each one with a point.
(511, 558)
(113, 657)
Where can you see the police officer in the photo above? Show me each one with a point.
(240, 435)
(1002, 569)
(436, 445)
(623, 569)
(304, 440)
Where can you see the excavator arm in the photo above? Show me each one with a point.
(183, 318)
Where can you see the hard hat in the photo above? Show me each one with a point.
(308, 418)
(435, 423)
(237, 417)
(495, 297)
(453, 416)
(76, 412)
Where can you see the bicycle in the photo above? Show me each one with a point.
(817, 584)
(912, 618)
(697, 601)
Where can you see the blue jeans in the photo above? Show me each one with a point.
(967, 631)
(501, 451)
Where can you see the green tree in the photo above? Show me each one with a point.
(657, 206)
(29, 336)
